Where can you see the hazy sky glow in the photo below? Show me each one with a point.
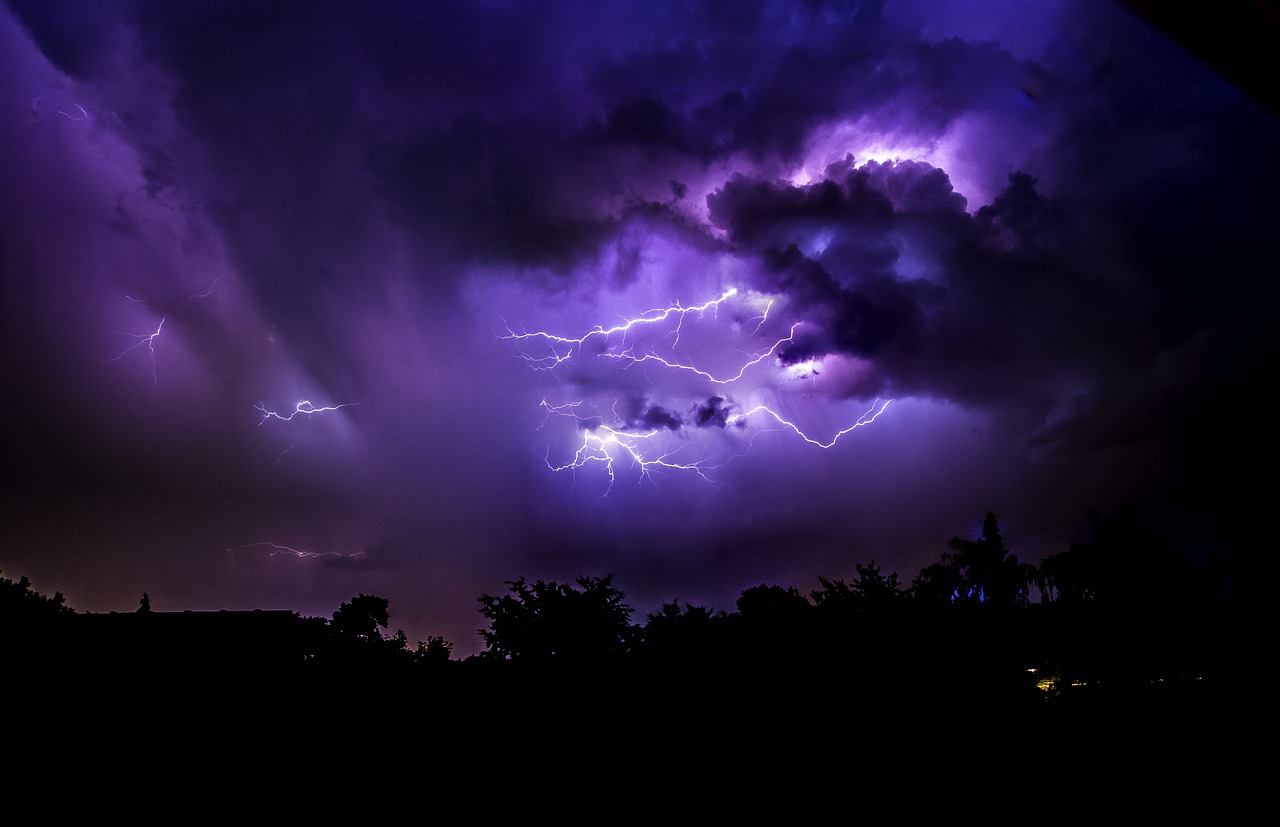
(305, 300)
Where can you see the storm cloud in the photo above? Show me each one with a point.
(305, 300)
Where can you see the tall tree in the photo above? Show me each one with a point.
(361, 617)
(978, 571)
(19, 600)
(547, 620)
(1123, 563)
(685, 634)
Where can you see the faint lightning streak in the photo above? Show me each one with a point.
(755, 360)
(280, 456)
(866, 419)
(209, 290)
(764, 317)
(84, 116)
(547, 362)
(148, 339)
(304, 407)
(276, 548)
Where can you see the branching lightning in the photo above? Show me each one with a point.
(147, 340)
(755, 359)
(764, 317)
(607, 445)
(570, 345)
(643, 440)
(304, 407)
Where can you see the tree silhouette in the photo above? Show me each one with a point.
(1131, 609)
(33, 627)
(871, 592)
(1124, 563)
(772, 627)
(676, 620)
(685, 635)
(433, 651)
(767, 604)
(1119, 610)
(19, 600)
(361, 617)
(548, 620)
(980, 571)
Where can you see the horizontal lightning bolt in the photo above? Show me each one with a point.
(276, 549)
(303, 408)
(755, 360)
(572, 343)
(867, 418)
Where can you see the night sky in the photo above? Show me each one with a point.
(303, 300)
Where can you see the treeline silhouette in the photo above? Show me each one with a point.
(1120, 619)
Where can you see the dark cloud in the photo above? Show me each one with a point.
(650, 417)
(712, 413)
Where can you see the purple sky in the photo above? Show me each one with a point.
(309, 299)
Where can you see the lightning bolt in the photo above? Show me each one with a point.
(618, 446)
(148, 340)
(143, 339)
(83, 116)
(210, 286)
(754, 360)
(872, 414)
(764, 317)
(572, 344)
(608, 445)
(277, 549)
(304, 407)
